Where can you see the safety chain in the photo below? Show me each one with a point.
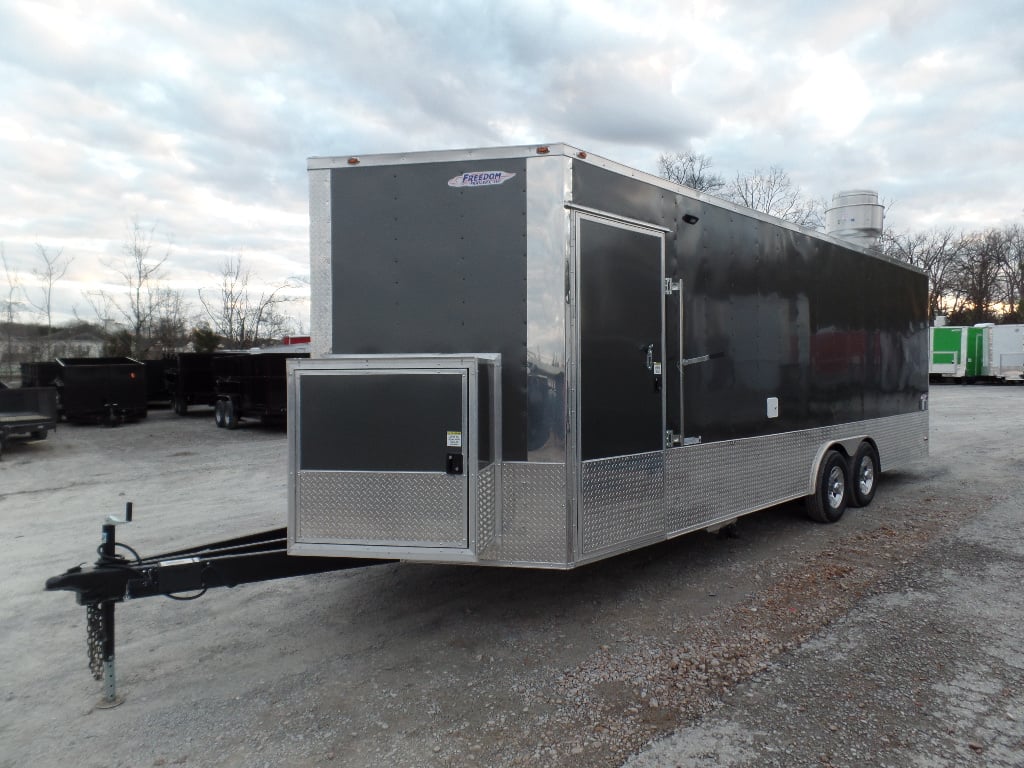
(94, 637)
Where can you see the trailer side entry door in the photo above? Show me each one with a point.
(620, 382)
(621, 339)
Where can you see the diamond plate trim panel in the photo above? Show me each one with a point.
(626, 501)
(382, 508)
(622, 501)
(901, 439)
(534, 521)
(486, 509)
(706, 483)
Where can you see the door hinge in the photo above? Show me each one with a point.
(671, 286)
(672, 439)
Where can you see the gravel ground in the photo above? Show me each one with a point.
(887, 639)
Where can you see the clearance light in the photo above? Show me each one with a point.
(353, 161)
(581, 155)
(542, 150)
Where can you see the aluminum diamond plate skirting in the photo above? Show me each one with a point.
(534, 521)
(622, 501)
(396, 508)
(901, 439)
(705, 484)
(486, 510)
(523, 508)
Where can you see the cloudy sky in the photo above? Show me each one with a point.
(196, 118)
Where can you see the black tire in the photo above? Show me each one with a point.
(39, 434)
(831, 489)
(230, 415)
(218, 413)
(864, 473)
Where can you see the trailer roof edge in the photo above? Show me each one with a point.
(559, 149)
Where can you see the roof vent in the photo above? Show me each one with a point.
(857, 216)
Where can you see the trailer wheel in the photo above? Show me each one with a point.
(864, 472)
(831, 492)
(218, 413)
(230, 415)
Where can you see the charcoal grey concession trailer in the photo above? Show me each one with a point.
(534, 356)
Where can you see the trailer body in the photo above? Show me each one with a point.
(27, 412)
(957, 352)
(1003, 357)
(191, 381)
(538, 357)
(980, 352)
(109, 389)
(40, 373)
(157, 390)
(251, 385)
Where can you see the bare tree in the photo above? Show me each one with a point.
(145, 303)
(9, 308)
(1013, 273)
(52, 269)
(240, 317)
(980, 276)
(774, 193)
(939, 254)
(169, 330)
(691, 169)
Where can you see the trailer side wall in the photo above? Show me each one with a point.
(834, 334)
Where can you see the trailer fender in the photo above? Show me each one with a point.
(846, 446)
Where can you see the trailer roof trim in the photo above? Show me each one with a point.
(319, 163)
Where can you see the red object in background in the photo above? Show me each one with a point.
(295, 340)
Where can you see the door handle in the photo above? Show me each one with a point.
(650, 357)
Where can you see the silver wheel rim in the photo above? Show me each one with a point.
(866, 477)
(835, 489)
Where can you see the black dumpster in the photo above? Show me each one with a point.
(251, 385)
(105, 389)
(191, 382)
(156, 379)
(40, 374)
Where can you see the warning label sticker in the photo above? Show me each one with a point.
(454, 440)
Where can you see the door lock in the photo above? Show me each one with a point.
(453, 464)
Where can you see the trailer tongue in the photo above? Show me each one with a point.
(115, 578)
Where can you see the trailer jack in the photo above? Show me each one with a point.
(115, 578)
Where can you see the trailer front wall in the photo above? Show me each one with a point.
(419, 266)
